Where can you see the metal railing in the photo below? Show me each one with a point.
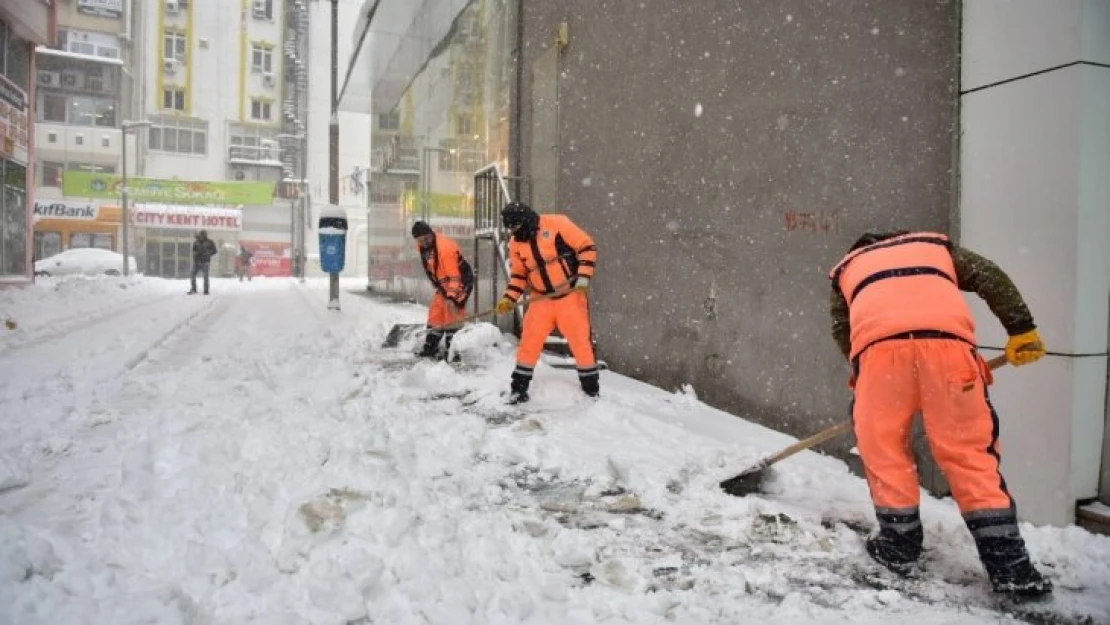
(491, 194)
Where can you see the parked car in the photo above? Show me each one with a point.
(89, 261)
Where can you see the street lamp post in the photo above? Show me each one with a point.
(125, 218)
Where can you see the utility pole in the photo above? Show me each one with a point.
(333, 136)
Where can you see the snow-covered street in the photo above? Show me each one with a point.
(250, 457)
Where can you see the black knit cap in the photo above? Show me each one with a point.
(419, 229)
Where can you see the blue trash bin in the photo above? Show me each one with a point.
(333, 243)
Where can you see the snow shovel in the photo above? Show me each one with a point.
(750, 480)
(402, 331)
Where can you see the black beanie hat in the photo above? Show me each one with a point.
(420, 228)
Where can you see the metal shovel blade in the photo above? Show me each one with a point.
(401, 332)
(747, 482)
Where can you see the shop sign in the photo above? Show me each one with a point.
(51, 209)
(270, 259)
(101, 8)
(187, 218)
(13, 121)
(91, 185)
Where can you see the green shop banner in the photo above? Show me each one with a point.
(82, 184)
(438, 204)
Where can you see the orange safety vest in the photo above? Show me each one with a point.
(443, 264)
(553, 260)
(905, 285)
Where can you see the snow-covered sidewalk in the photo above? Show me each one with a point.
(251, 457)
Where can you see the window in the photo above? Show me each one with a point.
(173, 48)
(51, 174)
(389, 121)
(251, 143)
(260, 109)
(89, 43)
(13, 218)
(173, 98)
(15, 58)
(52, 107)
(263, 9)
(89, 111)
(262, 58)
(184, 136)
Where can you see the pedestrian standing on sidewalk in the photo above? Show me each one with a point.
(243, 263)
(203, 251)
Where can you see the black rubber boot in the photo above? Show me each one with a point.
(431, 346)
(1003, 554)
(447, 338)
(898, 545)
(518, 390)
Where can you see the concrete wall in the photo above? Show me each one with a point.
(725, 155)
(1035, 196)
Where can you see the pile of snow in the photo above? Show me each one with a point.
(265, 462)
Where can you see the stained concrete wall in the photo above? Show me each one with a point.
(725, 154)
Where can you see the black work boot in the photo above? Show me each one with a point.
(518, 390)
(1003, 554)
(447, 338)
(590, 379)
(898, 544)
(431, 346)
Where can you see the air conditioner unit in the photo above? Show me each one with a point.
(268, 80)
(49, 79)
(260, 9)
(172, 6)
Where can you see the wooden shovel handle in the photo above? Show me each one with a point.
(846, 426)
(486, 313)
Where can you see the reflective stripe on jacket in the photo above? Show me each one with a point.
(902, 285)
(553, 260)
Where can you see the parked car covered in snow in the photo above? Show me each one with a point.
(88, 261)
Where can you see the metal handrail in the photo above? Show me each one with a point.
(487, 223)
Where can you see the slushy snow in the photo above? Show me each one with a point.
(251, 457)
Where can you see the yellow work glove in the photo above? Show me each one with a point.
(504, 306)
(582, 284)
(1025, 348)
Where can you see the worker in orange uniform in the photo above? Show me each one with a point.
(453, 280)
(899, 317)
(553, 257)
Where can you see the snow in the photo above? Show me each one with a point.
(251, 457)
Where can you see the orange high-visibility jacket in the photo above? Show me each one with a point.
(553, 260)
(900, 285)
(442, 263)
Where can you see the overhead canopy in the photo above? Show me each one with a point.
(393, 40)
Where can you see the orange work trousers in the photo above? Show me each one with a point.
(946, 381)
(442, 311)
(571, 314)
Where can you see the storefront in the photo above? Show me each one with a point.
(166, 215)
(60, 225)
(23, 25)
(165, 235)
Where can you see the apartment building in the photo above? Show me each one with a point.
(208, 104)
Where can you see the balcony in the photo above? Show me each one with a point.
(267, 155)
(94, 145)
